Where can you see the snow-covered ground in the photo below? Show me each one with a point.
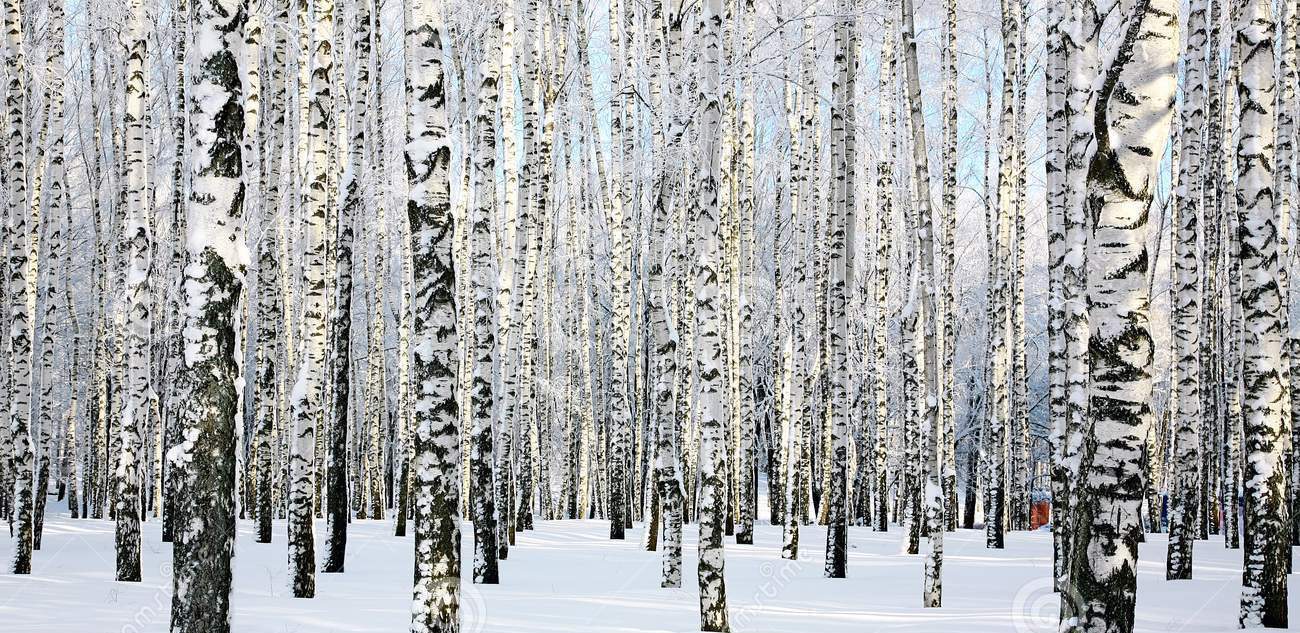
(567, 577)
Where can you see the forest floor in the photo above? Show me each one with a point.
(568, 577)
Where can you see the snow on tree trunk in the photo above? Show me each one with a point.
(204, 462)
(1057, 131)
(1081, 51)
(176, 270)
(269, 323)
(136, 235)
(1267, 438)
(1285, 179)
(663, 344)
(1000, 424)
(1135, 108)
(436, 604)
(513, 245)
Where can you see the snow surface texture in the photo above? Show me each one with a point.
(568, 576)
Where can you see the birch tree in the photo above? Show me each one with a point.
(22, 279)
(841, 256)
(1186, 309)
(137, 238)
(307, 398)
(337, 512)
(1267, 438)
(708, 335)
(482, 491)
(436, 604)
(1135, 107)
(204, 461)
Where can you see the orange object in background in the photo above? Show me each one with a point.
(1040, 513)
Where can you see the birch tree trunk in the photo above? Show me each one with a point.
(664, 343)
(510, 271)
(22, 279)
(338, 502)
(1054, 166)
(884, 223)
(948, 416)
(1081, 50)
(1000, 426)
(842, 215)
(620, 264)
(436, 604)
(308, 394)
(137, 239)
(1136, 106)
(708, 334)
(932, 418)
(1187, 306)
(482, 504)
(205, 461)
(175, 340)
(1267, 438)
(746, 483)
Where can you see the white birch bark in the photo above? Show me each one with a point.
(204, 461)
(436, 604)
(1265, 432)
(308, 393)
(1187, 306)
(708, 335)
(137, 239)
(22, 280)
(1136, 106)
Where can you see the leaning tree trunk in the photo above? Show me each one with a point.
(1267, 438)
(436, 605)
(932, 419)
(204, 463)
(1135, 106)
